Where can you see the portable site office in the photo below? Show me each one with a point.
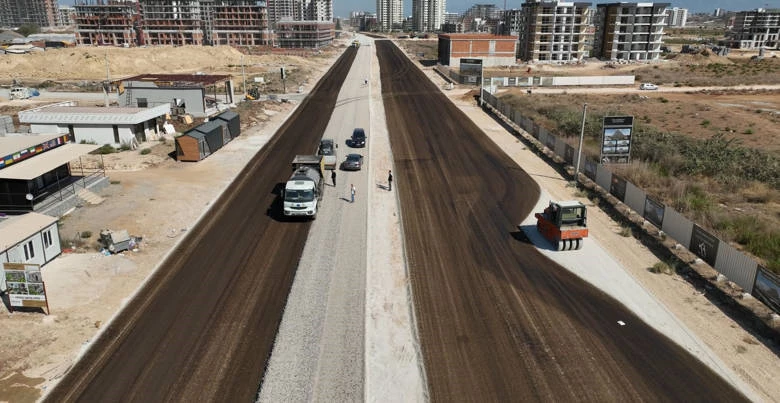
(208, 137)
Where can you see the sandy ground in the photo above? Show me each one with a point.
(86, 289)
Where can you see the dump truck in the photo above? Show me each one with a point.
(356, 43)
(564, 224)
(328, 152)
(303, 191)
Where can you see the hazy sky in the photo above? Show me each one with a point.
(341, 8)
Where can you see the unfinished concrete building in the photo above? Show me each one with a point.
(165, 22)
(15, 13)
(305, 34)
(106, 23)
(237, 22)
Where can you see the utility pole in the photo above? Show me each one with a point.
(579, 149)
(481, 85)
(243, 73)
(108, 81)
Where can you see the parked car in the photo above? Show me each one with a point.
(353, 162)
(358, 139)
(648, 86)
(328, 152)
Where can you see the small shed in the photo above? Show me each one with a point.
(216, 133)
(233, 122)
(192, 146)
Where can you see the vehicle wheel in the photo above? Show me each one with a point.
(580, 241)
(560, 245)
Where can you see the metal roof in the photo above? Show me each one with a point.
(12, 144)
(57, 114)
(570, 203)
(227, 115)
(207, 127)
(16, 229)
(38, 165)
(178, 80)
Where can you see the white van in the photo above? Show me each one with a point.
(648, 86)
(20, 93)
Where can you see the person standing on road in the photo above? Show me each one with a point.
(352, 192)
(333, 177)
(390, 180)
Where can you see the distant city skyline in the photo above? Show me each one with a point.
(342, 8)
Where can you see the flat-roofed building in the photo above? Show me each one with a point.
(629, 31)
(553, 31)
(755, 30)
(494, 50)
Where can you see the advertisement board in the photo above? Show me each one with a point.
(704, 245)
(618, 188)
(616, 139)
(654, 211)
(24, 285)
(767, 288)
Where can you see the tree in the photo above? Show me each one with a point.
(28, 29)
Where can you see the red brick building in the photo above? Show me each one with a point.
(494, 50)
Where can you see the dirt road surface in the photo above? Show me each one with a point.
(497, 320)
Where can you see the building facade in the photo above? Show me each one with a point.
(305, 34)
(676, 17)
(66, 16)
(428, 15)
(106, 24)
(629, 31)
(553, 31)
(494, 50)
(15, 13)
(755, 30)
(390, 14)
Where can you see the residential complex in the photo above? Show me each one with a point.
(755, 30)
(390, 14)
(553, 31)
(14, 13)
(428, 15)
(676, 17)
(629, 31)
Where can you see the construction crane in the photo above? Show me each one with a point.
(564, 224)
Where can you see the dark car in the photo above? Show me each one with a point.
(353, 162)
(358, 139)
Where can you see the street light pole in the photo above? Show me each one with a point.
(579, 149)
(481, 85)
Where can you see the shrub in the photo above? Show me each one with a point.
(662, 267)
(625, 231)
(106, 149)
(124, 147)
(705, 123)
(85, 234)
(663, 100)
(748, 131)
(146, 151)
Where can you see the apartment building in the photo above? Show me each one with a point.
(305, 34)
(755, 30)
(165, 22)
(107, 24)
(512, 22)
(390, 14)
(428, 15)
(15, 13)
(676, 17)
(284, 10)
(65, 16)
(317, 10)
(553, 31)
(629, 31)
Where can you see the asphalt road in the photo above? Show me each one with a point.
(203, 327)
(497, 320)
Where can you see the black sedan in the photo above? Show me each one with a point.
(353, 162)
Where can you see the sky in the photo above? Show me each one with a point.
(341, 8)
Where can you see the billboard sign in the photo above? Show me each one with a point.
(767, 288)
(616, 139)
(24, 285)
(471, 70)
(704, 245)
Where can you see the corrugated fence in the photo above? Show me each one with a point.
(727, 260)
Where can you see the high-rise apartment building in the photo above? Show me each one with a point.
(107, 24)
(428, 15)
(629, 31)
(284, 10)
(390, 14)
(755, 30)
(553, 31)
(317, 10)
(65, 16)
(676, 17)
(15, 13)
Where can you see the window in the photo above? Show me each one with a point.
(47, 239)
(142, 102)
(29, 251)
